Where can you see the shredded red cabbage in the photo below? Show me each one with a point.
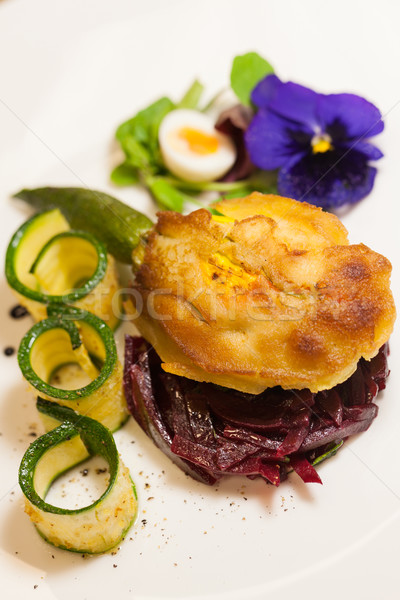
(210, 431)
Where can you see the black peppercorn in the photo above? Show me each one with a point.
(18, 312)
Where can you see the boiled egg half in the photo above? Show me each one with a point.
(192, 148)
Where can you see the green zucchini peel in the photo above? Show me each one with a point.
(98, 527)
(74, 336)
(47, 262)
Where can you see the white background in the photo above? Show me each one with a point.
(70, 72)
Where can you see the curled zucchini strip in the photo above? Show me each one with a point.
(71, 336)
(47, 262)
(93, 529)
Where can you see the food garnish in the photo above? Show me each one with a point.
(93, 529)
(49, 265)
(78, 424)
(70, 336)
(319, 142)
(191, 147)
(47, 262)
(284, 138)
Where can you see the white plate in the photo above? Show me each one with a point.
(70, 72)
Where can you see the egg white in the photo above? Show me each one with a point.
(185, 163)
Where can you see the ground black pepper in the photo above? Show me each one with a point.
(18, 311)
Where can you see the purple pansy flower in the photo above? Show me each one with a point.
(318, 142)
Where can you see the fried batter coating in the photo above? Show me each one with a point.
(269, 294)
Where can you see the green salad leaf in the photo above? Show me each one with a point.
(247, 70)
(137, 155)
(125, 174)
(166, 195)
(192, 97)
(139, 136)
(144, 125)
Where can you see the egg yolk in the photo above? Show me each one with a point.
(198, 141)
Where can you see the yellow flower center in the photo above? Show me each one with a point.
(321, 143)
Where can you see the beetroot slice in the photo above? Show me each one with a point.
(200, 419)
(366, 412)
(332, 405)
(143, 406)
(256, 467)
(248, 411)
(242, 434)
(133, 346)
(378, 366)
(293, 440)
(209, 431)
(333, 434)
(229, 453)
(195, 453)
(304, 469)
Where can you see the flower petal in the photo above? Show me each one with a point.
(290, 100)
(265, 91)
(233, 122)
(347, 116)
(329, 180)
(270, 141)
(369, 150)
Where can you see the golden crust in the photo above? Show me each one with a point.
(272, 295)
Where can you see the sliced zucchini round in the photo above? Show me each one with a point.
(93, 529)
(47, 262)
(72, 336)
